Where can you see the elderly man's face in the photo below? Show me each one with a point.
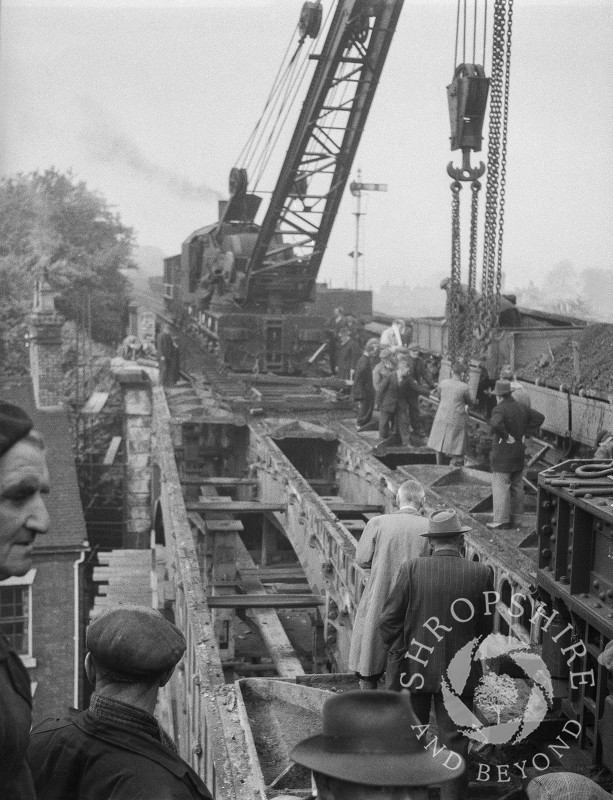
(24, 479)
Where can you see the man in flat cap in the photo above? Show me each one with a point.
(363, 388)
(24, 480)
(117, 748)
(437, 607)
(510, 423)
(370, 747)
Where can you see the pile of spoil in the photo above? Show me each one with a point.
(555, 368)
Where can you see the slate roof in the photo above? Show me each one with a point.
(64, 503)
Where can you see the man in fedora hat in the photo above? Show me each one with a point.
(370, 747)
(437, 606)
(117, 748)
(510, 423)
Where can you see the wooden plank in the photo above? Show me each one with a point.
(269, 625)
(265, 601)
(219, 481)
(354, 524)
(353, 508)
(111, 453)
(96, 403)
(272, 574)
(224, 525)
(211, 496)
(236, 507)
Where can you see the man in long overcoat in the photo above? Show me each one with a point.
(363, 388)
(386, 543)
(448, 432)
(510, 423)
(438, 605)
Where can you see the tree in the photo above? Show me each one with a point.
(50, 220)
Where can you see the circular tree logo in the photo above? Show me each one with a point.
(497, 694)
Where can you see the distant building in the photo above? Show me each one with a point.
(42, 612)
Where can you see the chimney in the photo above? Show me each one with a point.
(46, 348)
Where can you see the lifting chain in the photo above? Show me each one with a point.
(462, 313)
(455, 289)
(496, 169)
(471, 311)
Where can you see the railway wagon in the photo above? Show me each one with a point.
(540, 333)
(575, 582)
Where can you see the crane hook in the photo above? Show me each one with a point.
(465, 172)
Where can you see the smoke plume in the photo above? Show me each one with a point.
(113, 147)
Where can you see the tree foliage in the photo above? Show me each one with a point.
(49, 220)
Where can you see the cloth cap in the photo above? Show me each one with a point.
(502, 388)
(134, 641)
(14, 425)
(606, 657)
(373, 343)
(564, 786)
(444, 523)
(367, 737)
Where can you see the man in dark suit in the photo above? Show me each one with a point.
(510, 423)
(439, 604)
(363, 388)
(389, 401)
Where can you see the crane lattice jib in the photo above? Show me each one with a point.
(295, 230)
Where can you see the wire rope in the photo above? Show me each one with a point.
(464, 36)
(475, 33)
(299, 70)
(457, 37)
(274, 106)
(271, 94)
(297, 77)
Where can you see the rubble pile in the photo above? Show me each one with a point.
(555, 368)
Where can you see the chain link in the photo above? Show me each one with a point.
(471, 311)
(455, 289)
(503, 154)
(496, 169)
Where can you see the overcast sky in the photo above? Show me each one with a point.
(150, 103)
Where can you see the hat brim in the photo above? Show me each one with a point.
(375, 769)
(441, 534)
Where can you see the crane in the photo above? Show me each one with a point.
(247, 283)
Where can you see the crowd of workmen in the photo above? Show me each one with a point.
(388, 378)
(423, 603)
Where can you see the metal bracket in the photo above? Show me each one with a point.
(465, 172)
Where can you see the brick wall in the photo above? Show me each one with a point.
(46, 360)
(137, 437)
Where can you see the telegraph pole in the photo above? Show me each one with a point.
(356, 188)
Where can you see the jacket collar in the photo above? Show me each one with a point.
(138, 743)
(447, 551)
(407, 510)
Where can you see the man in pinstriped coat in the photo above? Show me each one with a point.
(438, 605)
